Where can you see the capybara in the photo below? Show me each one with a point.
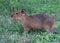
(37, 21)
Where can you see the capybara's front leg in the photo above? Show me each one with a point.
(26, 29)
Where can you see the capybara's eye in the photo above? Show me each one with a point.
(16, 13)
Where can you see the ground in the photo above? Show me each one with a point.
(11, 30)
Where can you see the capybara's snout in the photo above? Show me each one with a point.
(13, 16)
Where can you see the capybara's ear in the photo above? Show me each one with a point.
(22, 10)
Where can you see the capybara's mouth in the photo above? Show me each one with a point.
(11, 15)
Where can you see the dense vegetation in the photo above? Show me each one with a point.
(11, 31)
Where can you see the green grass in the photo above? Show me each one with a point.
(11, 30)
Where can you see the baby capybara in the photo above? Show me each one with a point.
(38, 21)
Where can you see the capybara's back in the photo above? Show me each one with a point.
(38, 21)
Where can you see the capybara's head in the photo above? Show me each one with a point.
(19, 15)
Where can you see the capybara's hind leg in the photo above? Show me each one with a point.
(53, 30)
(50, 29)
(47, 28)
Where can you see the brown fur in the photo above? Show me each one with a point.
(37, 21)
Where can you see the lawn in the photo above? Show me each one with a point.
(11, 30)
